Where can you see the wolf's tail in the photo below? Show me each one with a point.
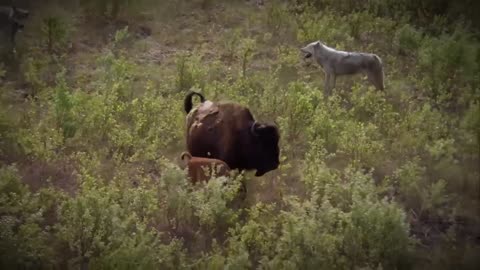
(187, 102)
(378, 59)
(377, 69)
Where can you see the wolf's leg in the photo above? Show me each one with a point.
(380, 80)
(376, 78)
(371, 78)
(327, 83)
(333, 80)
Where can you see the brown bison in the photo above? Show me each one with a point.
(228, 131)
(202, 169)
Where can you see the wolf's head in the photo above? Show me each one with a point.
(310, 49)
(19, 14)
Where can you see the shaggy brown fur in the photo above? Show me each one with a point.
(228, 131)
(202, 169)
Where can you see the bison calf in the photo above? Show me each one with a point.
(202, 169)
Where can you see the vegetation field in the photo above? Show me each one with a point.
(92, 126)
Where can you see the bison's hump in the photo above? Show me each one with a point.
(202, 111)
(205, 109)
(205, 115)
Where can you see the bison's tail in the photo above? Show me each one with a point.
(187, 103)
(185, 154)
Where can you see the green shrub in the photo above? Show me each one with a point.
(407, 40)
(35, 71)
(175, 196)
(424, 13)
(38, 136)
(63, 108)
(106, 226)
(360, 142)
(325, 120)
(231, 40)
(323, 27)
(189, 72)
(255, 240)
(378, 236)
(246, 51)
(24, 243)
(55, 31)
(330, 230)
(8, 135)
(149, 115)
(279, 21)
(356, 23)
(355, 194)
(212, 202)
(417, 193)
(470, 132)
(121, 37)
(371, 106)
(426, 123)
(448, 60)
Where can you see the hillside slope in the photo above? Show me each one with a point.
(92, 126)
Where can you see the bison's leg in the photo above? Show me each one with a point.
(243, 190)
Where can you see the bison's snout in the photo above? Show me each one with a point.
(263, 171)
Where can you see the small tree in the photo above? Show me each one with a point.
(55, 31)
(247, 48)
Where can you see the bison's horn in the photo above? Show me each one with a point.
(252, 129)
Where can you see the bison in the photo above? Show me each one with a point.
(228, 131)
(202, 169)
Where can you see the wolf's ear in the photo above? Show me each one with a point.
(317, 44)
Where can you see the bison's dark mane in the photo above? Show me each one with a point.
(187, 103)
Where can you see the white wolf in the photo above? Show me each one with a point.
(335, 63)
(9, 26)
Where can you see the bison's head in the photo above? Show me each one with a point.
(265, 151)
